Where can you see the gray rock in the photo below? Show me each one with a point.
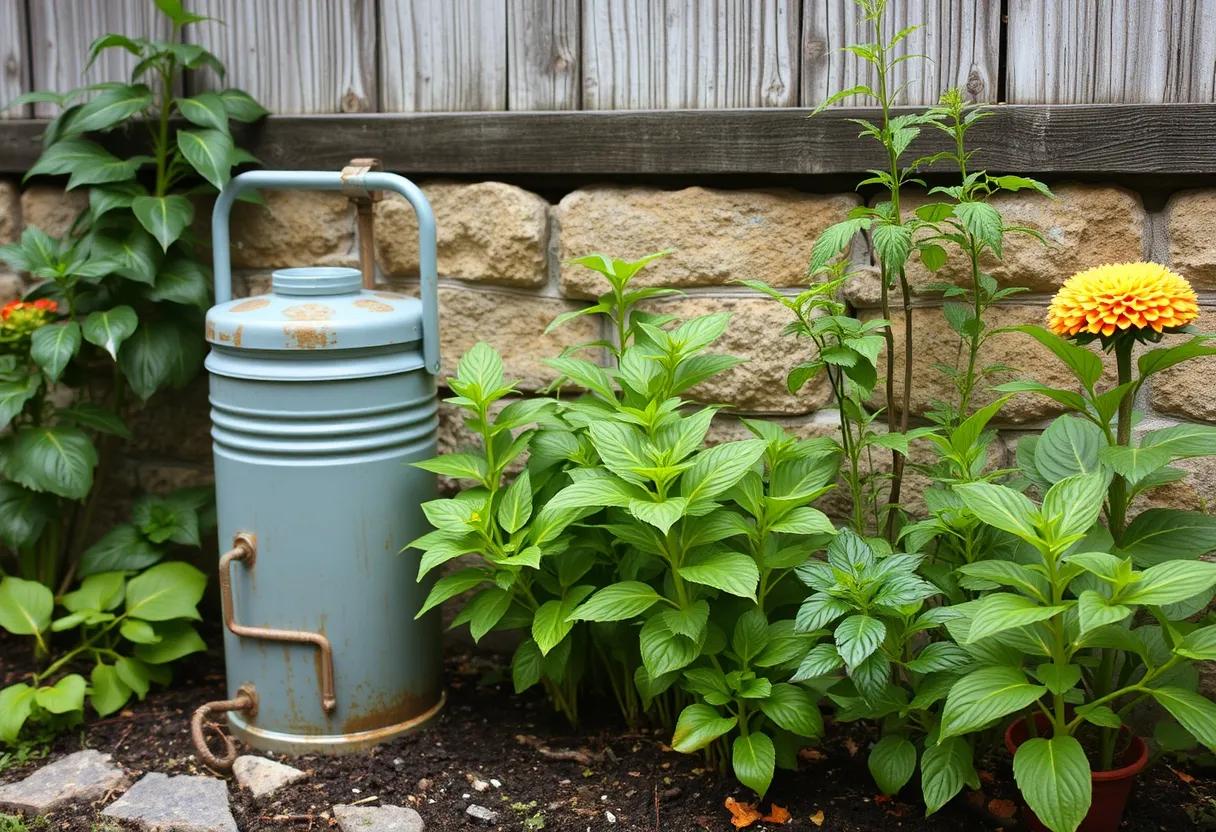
(481, 813)
(378, 819)
(262, 776)
(86, 775)
(188, 803)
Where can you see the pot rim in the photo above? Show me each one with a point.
(1122, 773)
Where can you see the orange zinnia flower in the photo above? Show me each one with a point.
(1122, 297)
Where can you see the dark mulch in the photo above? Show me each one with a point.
(644, 785)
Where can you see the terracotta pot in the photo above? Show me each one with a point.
(1111, 788)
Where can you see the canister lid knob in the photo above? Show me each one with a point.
(316, 280)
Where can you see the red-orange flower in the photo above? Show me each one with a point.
(1122, 297)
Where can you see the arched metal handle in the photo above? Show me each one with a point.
(246, 700)
(317, 180)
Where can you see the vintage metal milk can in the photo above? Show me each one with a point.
(322, 392)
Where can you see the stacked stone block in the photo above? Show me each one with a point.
(504, 262)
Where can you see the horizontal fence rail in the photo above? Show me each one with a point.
(416, 56)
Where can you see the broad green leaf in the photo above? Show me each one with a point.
(627, 599)
(717, 469)
(728, 571)
(109, 328)
(982, 222)
(164, 217)
(134, 256)
(793, 708)
(1085, 365)
(122, 548)
(1134, 464)
(134, 674)
(983, 696)
(209, 152)
(526, 666)
(182, 280)
(102, 592)
(167, 519)
(516, 505)
(139, 632)
(1161, 534)
(1095, 610)
(1154, 361)
(1001, 507)
(87, 163)
(240, 106)
(166, 591)
(1073, 504)
(484, 611)
(1170, 582)
(944, 769)
(53, 346)
(662, 514)
(835, 239)
(1070, 446)
(64, 697)
(14, 395)
(1058, 678)
(595, 491)
(1199, 644)
(1054, 778)
(95, 417)
(449, 586)
(552, 623)
(55, 459)
(110, 107)
(16, 702)
(1000, 611)
(108, 692)
(698, 726)
(205, 110)
(824, 659)
(23, 515)
(892, 762)
(160, 353)
(25, 606)
(457, 466)
(857, 637)
(664, 651)
(176, 639)
(753, 759)
(1194, 712)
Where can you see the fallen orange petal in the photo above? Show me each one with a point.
(817, 818)
(741, 814)
(1182, 775)
(777, 814)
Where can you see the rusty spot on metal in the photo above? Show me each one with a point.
(309, 312)
(236, 336)
(390, 295)
(307, 337)
(223, 337)
(373, 306)
(392, 714)
(210, 331)
(250, 305)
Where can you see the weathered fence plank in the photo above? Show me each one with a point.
(60, 34)
(293, 56)
(1105, 51)
(960, 39)
(543, 47)
(443, 55)
(14, 64)
(667, 54)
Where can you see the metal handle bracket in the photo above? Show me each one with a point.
(245, 548)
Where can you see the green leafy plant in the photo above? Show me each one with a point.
(1063, 638)
(122, 294)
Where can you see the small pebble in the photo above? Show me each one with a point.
(424, 785)
(481, 813)
(611, 817)
(398, 762)
(495, 783)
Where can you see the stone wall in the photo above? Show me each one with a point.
(503, 258)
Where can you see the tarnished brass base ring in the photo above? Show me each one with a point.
(284, 743)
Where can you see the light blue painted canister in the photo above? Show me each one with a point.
(322, 393)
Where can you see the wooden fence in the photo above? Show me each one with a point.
(402, 56)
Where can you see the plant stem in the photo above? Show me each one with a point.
(1117, 515)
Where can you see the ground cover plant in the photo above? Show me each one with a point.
(113, 315)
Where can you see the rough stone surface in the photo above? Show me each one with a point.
(1186, 389)
(485, 231)
(934, 343)
(1195, 492)
(293, 228)
(754, 334)
(52, 209)
(264, 776)
(718, 236)
(378, 819)
(514, 324)
(481, 813)
(175, 426)
(186, 803)
(85, 775)
(1191, 227)
(11, 286)
(1085, 226)
(10, 212)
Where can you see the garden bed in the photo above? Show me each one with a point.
(573, 781)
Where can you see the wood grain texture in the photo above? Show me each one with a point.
(543, 49)
(667, 54)
(14, 62)
(1096, 140)
(960, 38)
(1103, 51)
(443, 55)
(293, 56)
(61, 33)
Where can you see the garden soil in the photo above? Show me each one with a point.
(512, 755)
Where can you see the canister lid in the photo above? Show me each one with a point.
(316, 308)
